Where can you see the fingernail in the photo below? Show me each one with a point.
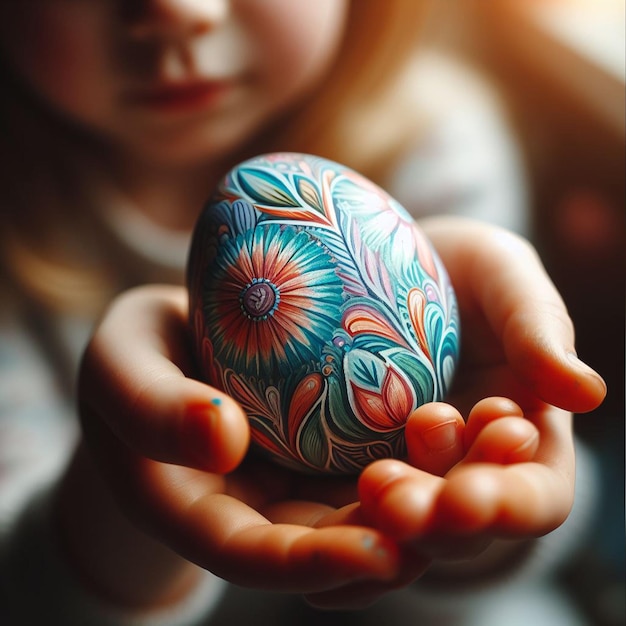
(372, 544)
(197, 432)
(586, 369)
(525, 449)
(441, 437)
(386, 559)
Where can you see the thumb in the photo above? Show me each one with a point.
(130, 379)
(500, 274)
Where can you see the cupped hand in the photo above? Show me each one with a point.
(171, 449)
(518, 340)
(497, 459)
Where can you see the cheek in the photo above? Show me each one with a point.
(295, 42)
(59, 58)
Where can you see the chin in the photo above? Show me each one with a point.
(188, 148)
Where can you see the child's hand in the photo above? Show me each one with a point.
(166, 444)
(499, 474)
(517, 338)
(508, 472)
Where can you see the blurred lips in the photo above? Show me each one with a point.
(180, 97)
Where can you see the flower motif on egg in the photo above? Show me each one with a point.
(318, 304)
(276, 296)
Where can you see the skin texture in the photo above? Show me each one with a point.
(507, 472)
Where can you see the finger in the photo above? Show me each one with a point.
(360, 595)
(504, 441)
(187, 510)
(434, 438)
(398, 499)
(314, 514)
(294, 558)
(306, 513)
(500, 274)
(485, 411)
(524, 499)
(521, 500)
(131, 377)
(497, 432)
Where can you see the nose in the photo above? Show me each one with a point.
(172, 18)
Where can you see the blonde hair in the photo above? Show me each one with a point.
(52, 251)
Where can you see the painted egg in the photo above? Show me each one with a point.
(319, 305)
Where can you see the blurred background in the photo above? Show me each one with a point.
(559, 66)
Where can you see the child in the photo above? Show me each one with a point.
(120, 118)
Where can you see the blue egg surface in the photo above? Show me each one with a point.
(320, 306)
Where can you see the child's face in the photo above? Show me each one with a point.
(175, 80)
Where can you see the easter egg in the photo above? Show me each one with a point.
(319, 305)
